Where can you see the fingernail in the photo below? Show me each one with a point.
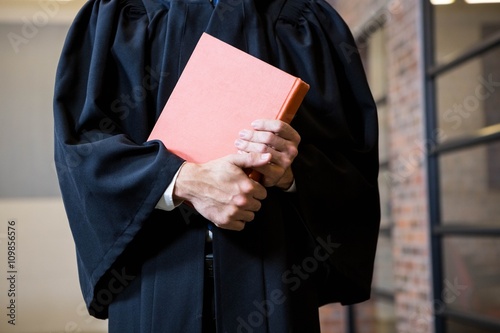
(244, 134)
(238, 143)
(265, 156)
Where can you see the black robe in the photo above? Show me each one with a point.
(143, 267)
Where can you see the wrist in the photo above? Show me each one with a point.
(182, 190)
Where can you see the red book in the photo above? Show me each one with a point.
(220, 92)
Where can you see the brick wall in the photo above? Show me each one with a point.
(333, 318)
(406, 139)
(407, 150)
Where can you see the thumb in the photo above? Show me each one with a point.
(249, 160)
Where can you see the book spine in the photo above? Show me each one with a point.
(293, 101)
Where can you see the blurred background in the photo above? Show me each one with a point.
(47, 294)
(434, 69)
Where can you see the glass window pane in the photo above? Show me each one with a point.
(470, 186)
(456, 327)
(383, 121)
(472, 275)
(461, 25)
(374, 57)
(383, 275)
(468, 97)
(375, 64)
(385, 199)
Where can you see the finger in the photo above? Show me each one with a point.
(259, 193)
(238, 221)
(271, 174)
(249, 202)
(250, 160)
(270, 170)
(246, 216)
(278, 127)
(255, 147)
(234, 225)
(264, 138)
(281, 158)
(253, 205)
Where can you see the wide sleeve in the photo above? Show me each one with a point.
(110, 177)
(336, 170)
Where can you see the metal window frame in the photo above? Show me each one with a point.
(438, 231)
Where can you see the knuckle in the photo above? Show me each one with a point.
(246, 187)
(279, 125)
(269, 136)
(240, 201)
(251, 217)
(262, 149)
(293, 152)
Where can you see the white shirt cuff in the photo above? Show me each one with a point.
(167, 201)
(292, 188)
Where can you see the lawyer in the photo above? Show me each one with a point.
(150, 263)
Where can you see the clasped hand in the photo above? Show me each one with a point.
(223, 193)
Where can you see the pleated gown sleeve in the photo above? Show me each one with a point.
(336, 170)
(110, 177)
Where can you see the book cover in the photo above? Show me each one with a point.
(220, 92)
